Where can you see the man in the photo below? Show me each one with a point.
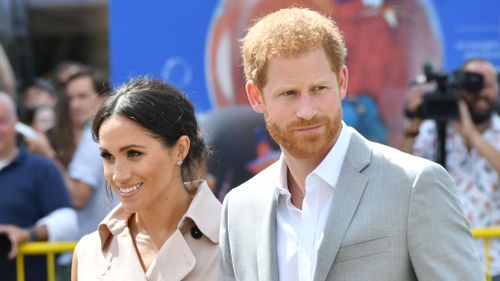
(472, 151)
(35, 204)
(335, 206)
(86, 90)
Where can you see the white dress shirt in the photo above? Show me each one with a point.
(300, 232)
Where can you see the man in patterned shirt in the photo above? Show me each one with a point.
(472, 151)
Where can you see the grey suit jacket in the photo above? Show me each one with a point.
(393, 217)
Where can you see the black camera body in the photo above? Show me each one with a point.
(442, 104)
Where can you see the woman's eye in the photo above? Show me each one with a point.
(106, 155)
(134, 153)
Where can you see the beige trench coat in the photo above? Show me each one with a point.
(110, 254)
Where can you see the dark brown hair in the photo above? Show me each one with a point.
(164, 112)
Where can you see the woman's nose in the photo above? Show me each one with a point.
(120, 174)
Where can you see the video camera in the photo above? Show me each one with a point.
(442, 104)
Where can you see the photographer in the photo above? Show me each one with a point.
(472, 148)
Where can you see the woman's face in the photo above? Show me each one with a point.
(139, 168)
(44, 119)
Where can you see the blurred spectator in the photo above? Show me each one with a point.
(72, 110)
(35, 204)
(82, 165)
(37, 93)
(43, 119)
(472, 150)
(79, 154)
(86, 90)
(63, 71)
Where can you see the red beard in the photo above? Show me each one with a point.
(310, 145)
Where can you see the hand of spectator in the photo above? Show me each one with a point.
(465, 126)
(40, 144)
(414, 99)
(474, 138)
(16, 235)
(416, 94)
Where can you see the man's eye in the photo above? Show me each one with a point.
(288, 93)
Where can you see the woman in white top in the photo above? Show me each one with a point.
(167, 225)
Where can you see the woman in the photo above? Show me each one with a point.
(167, 225)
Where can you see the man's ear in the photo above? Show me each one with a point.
(343, 81)
(254, 96)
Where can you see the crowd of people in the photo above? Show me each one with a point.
(51, 164)
(122, 172)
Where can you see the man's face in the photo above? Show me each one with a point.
(7, 126)
(481, 105)
(301, 102)
(82, 99)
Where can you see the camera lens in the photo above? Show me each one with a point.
(5, 245)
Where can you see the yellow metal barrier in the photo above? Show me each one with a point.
(49, 249)
(486, 234)
(42, 248)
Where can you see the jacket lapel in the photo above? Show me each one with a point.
(348, 192)
(266, 236)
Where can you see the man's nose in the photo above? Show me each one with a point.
(306, 107)
(484, 93)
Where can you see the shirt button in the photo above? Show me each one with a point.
(195, 232)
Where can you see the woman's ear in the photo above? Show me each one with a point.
(182, 147)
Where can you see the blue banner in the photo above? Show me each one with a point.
(194, 44)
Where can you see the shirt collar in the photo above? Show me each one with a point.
(281, 181)
(495, 123)
(329, 168)
(21, 154)
(204, 211)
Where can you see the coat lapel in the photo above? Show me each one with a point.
(266, 236)
(348, 192)
(174, 260)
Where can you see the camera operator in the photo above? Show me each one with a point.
(472, 149)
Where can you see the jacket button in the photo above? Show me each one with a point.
(196, 233)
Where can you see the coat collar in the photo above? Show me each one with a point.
(204, 211)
